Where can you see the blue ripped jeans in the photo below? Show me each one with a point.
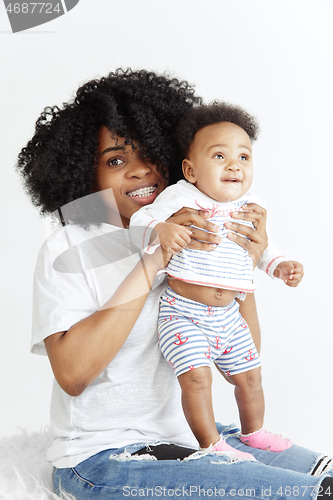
(280, 476)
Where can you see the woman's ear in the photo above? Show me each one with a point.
(188, 171)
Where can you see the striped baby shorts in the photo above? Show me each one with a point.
(192, 335)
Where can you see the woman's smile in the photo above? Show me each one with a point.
(134, 179)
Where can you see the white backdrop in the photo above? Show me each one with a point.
(274, 58)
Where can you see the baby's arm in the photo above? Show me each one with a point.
(172, 237)
(290, 271)
(276, 266)
(144, 222)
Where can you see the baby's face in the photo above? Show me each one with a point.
(219, 162)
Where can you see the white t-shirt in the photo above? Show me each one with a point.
(137, 398)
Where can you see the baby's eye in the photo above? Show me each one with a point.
(218, 155)
(114, 162)
(244, 157)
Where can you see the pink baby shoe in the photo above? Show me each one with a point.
(266, 441)
(222, 445)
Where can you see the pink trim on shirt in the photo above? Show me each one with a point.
(271, 262)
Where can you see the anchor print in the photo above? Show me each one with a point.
(250, 356)
(172, 301)
(217, 346)
(195, 322)
(178, 335)
(227, 350)
(171, 316)
(208, 355)
(228, 373)
(191, 367)
(210, 311)
(243, 324)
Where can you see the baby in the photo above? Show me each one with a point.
(199, 318)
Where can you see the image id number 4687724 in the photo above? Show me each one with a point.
(33, 7)
(295, 491)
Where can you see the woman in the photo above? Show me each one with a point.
(93, 164)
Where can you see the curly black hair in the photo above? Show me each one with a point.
(58, 163)
(209, 114)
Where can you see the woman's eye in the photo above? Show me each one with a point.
(114, 162)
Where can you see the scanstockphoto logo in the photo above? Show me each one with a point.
(25, 15)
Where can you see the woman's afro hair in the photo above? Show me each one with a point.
(58, 163)
(209, 114)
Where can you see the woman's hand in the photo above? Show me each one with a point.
(255, 241)
(200, 240)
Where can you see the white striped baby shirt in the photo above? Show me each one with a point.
(228, 266)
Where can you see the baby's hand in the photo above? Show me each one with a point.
(290, 271)
(172, 237)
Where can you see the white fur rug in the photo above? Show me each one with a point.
(24, 472)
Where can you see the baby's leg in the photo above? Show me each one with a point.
(251, 406)
(250, 399)
(197, 404)
(198, 409)
(241, 363)
(188, 352)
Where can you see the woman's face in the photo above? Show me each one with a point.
(135, 180)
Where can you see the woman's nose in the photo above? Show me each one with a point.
(140, 168)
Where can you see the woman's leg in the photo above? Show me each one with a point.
(215, 476)
(295, 458)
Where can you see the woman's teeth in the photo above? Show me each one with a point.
(143, 192)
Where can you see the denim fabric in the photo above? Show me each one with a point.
(285, 475)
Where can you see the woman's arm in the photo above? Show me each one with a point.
(79, 355)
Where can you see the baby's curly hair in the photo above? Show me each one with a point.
(58, 163)
(209, 114)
